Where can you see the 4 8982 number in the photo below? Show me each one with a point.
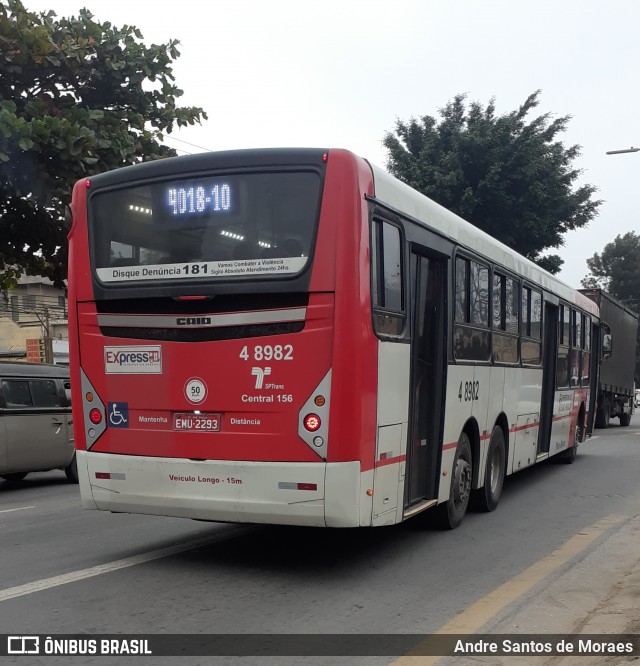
(268, 353)
(469, 391)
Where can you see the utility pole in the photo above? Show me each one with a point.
(48, 345)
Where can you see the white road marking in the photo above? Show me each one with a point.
(73, 576)
(20, 508)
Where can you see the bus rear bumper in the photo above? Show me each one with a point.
(309, 494)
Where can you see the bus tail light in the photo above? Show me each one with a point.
(94, 412)
(313, 418)
(312, 422)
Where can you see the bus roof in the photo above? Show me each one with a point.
(388, 190)
(404, 199)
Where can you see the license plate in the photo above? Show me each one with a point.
(196, 422)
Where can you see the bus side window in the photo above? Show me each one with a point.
(387, 279)
(586, 349)
(531, 347)
(505, 319)
(471, 340)
(562, 362)
(576, 345)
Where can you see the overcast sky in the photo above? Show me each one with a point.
(339, 73)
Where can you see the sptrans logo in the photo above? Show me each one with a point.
(139, 360)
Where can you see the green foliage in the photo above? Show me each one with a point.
(617, 269)
(77, 97)
(511, 178)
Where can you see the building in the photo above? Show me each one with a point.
(33, 309)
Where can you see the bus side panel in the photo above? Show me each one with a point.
(345, 217)
(487, 406)
(566, 412)
(457, 413)
(524, 421)
(78, 268)
(562, 417)
(394, 371)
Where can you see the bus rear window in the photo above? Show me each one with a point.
(240, 225)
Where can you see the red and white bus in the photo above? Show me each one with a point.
(294, 336)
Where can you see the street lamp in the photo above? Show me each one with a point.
(626, 150)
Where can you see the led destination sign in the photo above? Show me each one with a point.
(188, 200)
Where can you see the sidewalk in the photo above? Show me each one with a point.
(598, 595)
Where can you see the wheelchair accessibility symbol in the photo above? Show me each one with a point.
(118, 415)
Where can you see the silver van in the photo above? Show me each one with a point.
(36, 428)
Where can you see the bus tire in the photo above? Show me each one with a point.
(568, 457)
(71, 471)
(454, 509)
(625, 419)
(486, 498)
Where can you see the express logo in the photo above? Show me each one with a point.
(127, 358)
(139, 360)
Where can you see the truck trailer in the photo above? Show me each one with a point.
(616, 386)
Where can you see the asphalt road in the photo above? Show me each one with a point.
(66, 570)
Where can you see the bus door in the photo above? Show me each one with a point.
(594, 376)
(549, 355)
(428, 369)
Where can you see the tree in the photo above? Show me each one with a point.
(77, 97)
(617, 269)
(511, 178)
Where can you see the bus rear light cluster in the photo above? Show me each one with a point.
(94, 412)
(313, 418)
(312, 422)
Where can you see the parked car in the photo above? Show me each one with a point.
(36, 427)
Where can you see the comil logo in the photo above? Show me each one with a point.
(138, 360)
(260, 374)
(23, 645)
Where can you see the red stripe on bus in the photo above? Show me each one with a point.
(524, 427)
(390, 461)
(452, 445)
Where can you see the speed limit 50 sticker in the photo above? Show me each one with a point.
(195, 390)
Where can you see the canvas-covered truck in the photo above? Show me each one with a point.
(616, 388)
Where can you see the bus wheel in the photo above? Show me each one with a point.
(625, 419)
(487, 497)
(454, 509)
(569, 456)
